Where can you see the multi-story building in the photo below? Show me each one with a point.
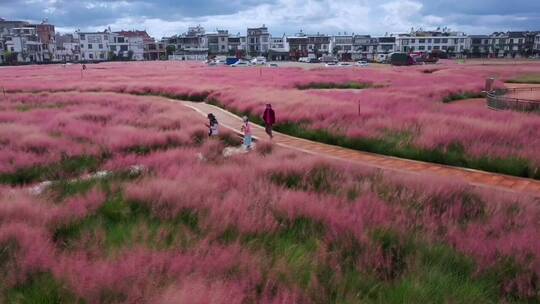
(364, 47)
(46, 35)
(5, 31)
(298, 46)
(386, 45)
(192, 45)
(318, 45)
(480, 45)
(279, 49)
(137, 41)
(537, 44)
(155, 50)
(94, 45)
(452, 43)
(342, 46)
(25, 44)
(237, 45)
(258, 41)
(68, 48)
(218, 42)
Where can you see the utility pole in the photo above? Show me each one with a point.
(359, 108)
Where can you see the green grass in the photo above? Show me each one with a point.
(531, 78)
(41, 288)
(462, 96)
(68, 167)
(125, 224)
(332, 85)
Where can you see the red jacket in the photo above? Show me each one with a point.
(269, 117)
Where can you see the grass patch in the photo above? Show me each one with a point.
(41, 288)
(67, 167)
(332, 85)
(462, 96)
(124, 224)
(530, 78)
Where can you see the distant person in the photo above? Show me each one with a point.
(213, 125)
(269, 118)
(246, 128)
(84, 66)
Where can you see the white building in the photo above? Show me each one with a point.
(386, 45)
(258, 41)
(537, 44)
(451, 43)
(25, 42)
(94, 45)
(342, 46)
(279, 44)
(123, 47)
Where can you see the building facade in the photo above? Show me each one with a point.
(452, 43)
(68, 48)
(364, 47)
(258, 41)
(279, 48)
(218, 42)
(94, 45)
(342, 46)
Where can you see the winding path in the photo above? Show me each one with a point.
(473, 177)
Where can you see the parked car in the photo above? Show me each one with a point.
(272, 65)
(328, 58)
(362, 63)
(331, 64)
(240, 64)
(303, 59)
(313, 60)
(258, 61)
(344, 64)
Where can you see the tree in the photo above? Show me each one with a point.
(171, 48)
(130, 55)
(10, 57)
(112, 56)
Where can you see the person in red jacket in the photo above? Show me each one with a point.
(269, 118)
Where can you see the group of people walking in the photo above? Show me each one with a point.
(269, 118)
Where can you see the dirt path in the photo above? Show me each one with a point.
(387, 163)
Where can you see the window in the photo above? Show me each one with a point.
(413, 40)
(123, 48)
(89, 46)
(91, 56)
(82, 37)
(101, 56)
(421, 48)
(405, 41)
(445, 40)
(437, 40)
(421, 40)
(82, 46)
(101, 46)
(444, 47)
(461, 40)
(436, 47)
(113, 47)
(456, 41)
(429, 40)
(222, 38)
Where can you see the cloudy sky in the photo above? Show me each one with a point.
(168, 17)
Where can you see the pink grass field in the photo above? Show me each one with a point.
(409, 101)
(133, 239)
